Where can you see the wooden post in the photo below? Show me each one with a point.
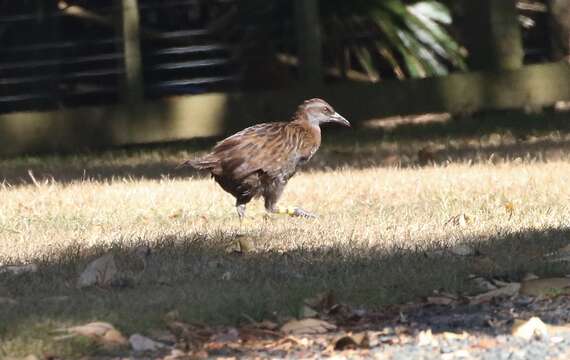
(309, 45)
(560, 29)
(492, 34)
(133, 88)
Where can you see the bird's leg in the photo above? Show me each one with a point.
(272, 195)
(240, 208)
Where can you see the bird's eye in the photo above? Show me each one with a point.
(328, 110)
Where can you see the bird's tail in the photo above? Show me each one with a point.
(203, 163)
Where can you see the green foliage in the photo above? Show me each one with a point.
(411, 40)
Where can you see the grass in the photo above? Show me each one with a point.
(384, 221)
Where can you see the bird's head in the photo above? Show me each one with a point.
(317, 112)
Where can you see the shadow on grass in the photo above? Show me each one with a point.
(517, 122)
(455, 140)
(196, 275)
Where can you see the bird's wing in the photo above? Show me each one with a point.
(263, 147)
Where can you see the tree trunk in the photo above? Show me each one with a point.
(560, 29)
(133, 89)
(309, 45)
(492, 34)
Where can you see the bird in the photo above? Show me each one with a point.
(259, 160)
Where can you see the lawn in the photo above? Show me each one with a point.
(393, 203)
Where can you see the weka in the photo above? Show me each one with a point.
(260, 160)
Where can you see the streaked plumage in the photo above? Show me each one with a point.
(260, 160)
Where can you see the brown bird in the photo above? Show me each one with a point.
(260, 160)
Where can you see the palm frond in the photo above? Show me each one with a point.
(407, 36)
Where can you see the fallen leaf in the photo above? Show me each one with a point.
(549, 287)
(142, 343)
(533, 328)
(101, 332)
(177, 354)
(511, 289)
(265, 324)
(426, 338)
(113, 337)
(307, 326)
(100, 272)
(558, 329)
(19, 269)
(91, 329)
(194, 336)
(352, 341)
(454, 336)
(439, 300)
(307, 312)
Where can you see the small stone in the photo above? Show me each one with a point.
(142, 343)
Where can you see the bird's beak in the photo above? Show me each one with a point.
(339, 119)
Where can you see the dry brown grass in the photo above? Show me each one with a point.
(378, 238)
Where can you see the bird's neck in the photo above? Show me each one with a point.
(310, 131)
(305, 123)
(302, 119)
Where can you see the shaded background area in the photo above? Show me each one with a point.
(96, 75)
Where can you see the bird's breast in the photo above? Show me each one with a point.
(305, 157)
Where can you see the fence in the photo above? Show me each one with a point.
(58, 54)
(74, 56)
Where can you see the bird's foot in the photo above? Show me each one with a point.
(295, 211)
